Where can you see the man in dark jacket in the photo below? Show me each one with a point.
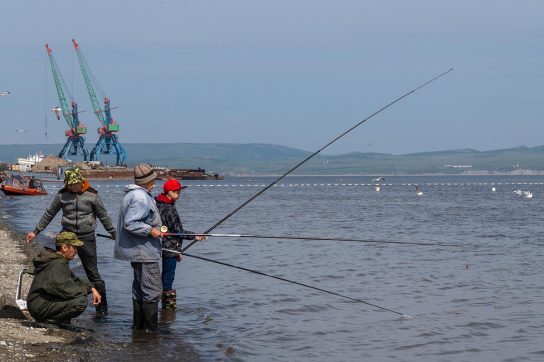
(80, 205)
(56, 294)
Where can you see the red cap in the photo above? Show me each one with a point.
(172, 185)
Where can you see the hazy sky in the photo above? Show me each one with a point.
(295, 73)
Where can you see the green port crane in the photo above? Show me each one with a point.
(75, 142)
(108, 141)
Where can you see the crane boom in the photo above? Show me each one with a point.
(60, 92)
(108, 142)
(75, 143)
(92, 94)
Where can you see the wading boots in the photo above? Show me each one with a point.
(169, 299)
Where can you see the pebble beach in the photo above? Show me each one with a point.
(21, 338)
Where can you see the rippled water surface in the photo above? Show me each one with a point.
(482, 301)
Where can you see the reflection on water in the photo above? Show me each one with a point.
(479, 302)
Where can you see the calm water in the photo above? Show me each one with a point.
(481, 302)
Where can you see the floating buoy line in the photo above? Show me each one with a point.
(343, 184)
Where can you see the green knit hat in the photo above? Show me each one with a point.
(72, 176)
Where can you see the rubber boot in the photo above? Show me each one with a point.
(169, 299)
(102, 308)
(151, 316)
(138, 320)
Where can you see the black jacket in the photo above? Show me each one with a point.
(170, 218)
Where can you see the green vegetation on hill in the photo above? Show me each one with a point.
(238, 159)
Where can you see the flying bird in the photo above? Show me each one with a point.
(57, 112)
(21, 130)
(4, 93)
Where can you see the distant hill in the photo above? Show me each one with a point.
(244, 159)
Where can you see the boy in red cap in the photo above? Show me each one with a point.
(170, 218)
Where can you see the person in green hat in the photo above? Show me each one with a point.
(81, 206)
(56, 295)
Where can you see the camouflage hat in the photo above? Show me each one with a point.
(67, 238)
(72, 176)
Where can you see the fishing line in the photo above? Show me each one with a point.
(314, 154)
(286, 237)
(404, 316)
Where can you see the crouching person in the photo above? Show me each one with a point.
(56, 294)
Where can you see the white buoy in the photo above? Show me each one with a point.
(493, 189)
(377, 188)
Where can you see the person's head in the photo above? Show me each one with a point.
(172, 189)
(66, 243)
(73, 180)
(144, 176)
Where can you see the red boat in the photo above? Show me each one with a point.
(23, 185)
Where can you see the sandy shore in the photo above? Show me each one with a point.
(21, 338)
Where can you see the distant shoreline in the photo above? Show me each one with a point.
(227, 176)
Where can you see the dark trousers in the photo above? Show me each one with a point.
(168, 272)
(87, 255)
(57, 310)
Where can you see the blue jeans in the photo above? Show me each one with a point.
(168, 272)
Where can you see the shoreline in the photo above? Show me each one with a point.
(228, 177)
(22, 339)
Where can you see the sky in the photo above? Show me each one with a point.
(295, 73)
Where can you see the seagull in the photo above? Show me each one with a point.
(524, 193)
(4, 93)
(21, 130)
(379, 179)
(57, 112)
(418, 191)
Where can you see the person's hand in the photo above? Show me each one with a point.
(178, 257)
(113, 235)
(30, 236)
(156, 233)
(201, 237)
(97, 298)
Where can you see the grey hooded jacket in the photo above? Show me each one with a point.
(137, 215)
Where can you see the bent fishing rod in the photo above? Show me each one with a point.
(404, 316)
(287, 237)
(315, 153)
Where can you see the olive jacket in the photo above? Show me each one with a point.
(53, 282)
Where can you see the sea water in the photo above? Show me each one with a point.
(480, 300)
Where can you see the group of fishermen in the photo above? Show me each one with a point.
(57, 295)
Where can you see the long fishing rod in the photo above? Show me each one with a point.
(286, 237)
(405, 316)
(315, 153)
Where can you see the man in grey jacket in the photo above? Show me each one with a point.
(80, 205)
(138, 242)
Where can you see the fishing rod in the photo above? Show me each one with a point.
(315, 153)
(404, 316)
(286, 237)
